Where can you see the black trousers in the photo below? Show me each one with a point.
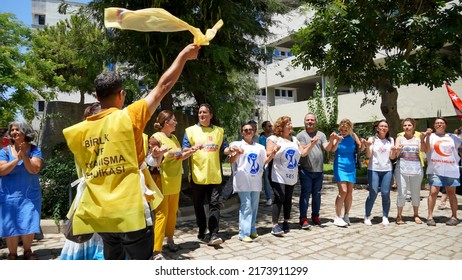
(282, 197)
(134, 245)
(203, 194)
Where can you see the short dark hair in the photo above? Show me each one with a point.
(107, 83)
(443, 119)
(208, 106)
(263, 124)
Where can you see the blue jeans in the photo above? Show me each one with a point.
(311, 185)
(266, 183)
(376, 179)
(248, 213)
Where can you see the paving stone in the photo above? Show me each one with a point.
(357, 242)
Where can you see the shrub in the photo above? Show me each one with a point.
(56, 176)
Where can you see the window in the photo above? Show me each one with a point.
(284, 93)
(39, 19)
(40, 106)
(263, 92)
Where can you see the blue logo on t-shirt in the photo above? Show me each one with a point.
(290, 157)
(255, 167)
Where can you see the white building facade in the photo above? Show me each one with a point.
(285, 89)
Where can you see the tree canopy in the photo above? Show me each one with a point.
(212, 78)
(377, 46)
(15, 94)
(75, 52)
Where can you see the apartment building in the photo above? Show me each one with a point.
(46, 12)
(285, 89)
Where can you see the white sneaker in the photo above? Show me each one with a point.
(367, 221)
(385, 221)
(269, 202)
(339, 222)
(346, 218)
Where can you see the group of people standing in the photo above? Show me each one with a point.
(289, 159)
(127, 174)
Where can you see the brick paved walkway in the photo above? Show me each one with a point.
(357, 242)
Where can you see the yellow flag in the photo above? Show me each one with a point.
(156, 19)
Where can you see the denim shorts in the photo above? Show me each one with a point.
(442, 181)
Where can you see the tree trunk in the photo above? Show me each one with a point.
(389, 107)
(167, 102)
(82, 97)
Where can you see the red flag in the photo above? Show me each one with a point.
(455, 101)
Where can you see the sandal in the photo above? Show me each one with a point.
(172, 246)
(157, 257)
(12, 257)
(399, 221)
(452, 222)
(29, 255)
(431, 222)
(417, 220)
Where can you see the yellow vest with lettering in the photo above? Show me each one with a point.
(204, 164)
(105, 150)
(171, 168)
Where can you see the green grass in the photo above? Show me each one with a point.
(328, 169)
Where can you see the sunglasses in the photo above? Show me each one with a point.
(247, 130)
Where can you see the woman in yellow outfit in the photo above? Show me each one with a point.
(166, 171)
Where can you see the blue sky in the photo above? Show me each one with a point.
(22, 9)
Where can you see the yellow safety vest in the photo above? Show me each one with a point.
(105, 150)
(204, 164)
(170, 168)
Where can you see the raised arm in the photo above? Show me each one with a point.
(330, 144)
(367, 145)
(169, 78)
(425, 140)
(334, 140)
(32, 164)
(271, 149)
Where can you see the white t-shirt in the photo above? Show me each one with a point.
(248, 168)
(380, 150)
(285, 161)
(443, 157)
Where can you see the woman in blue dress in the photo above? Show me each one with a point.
(345, 170)
(20, 192)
